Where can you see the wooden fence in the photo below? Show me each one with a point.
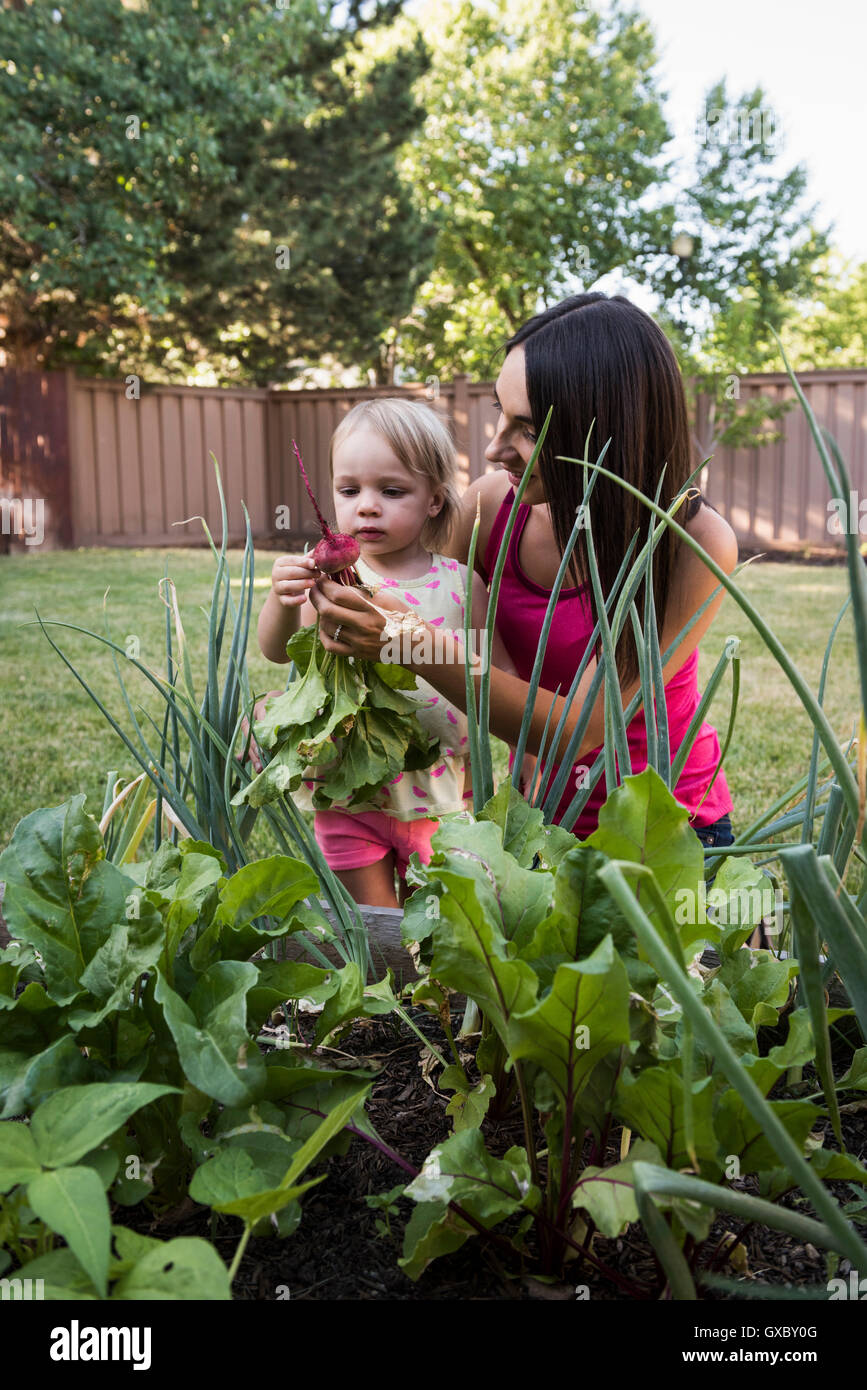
(117, 468)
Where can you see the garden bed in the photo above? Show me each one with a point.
(337, 1253)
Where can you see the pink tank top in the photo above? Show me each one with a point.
(520, 614)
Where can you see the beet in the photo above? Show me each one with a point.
(336, 553)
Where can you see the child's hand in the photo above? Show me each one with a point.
(292, 576)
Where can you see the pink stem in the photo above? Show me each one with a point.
(326, 529)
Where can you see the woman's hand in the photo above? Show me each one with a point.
(346, 608)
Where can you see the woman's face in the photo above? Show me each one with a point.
(515, 439)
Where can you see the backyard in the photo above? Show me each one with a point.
(322, 998)
(58, 743)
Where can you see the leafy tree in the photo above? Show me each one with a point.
(543, 133)
(749, 249)
(830, 328)
(202, 181)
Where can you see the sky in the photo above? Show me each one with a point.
(811, 60)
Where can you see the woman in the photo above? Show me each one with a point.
(604, 365)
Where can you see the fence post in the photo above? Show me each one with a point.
(66, 530)
(461, 416)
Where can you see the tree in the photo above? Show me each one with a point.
(543, 133)
(829, 329)
(202, 181)
(749, 250)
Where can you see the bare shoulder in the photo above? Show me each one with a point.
(714, 534)
(486, 492)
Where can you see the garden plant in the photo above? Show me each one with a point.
(625, 1055)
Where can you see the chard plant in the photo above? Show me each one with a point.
(598, 1020)
(132, 998)
(193, 763)
(596, 1014)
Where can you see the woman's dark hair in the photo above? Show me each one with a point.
(600, 359)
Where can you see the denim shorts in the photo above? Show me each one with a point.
(719, 833)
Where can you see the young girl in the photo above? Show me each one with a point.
(393, 468)
(602, 364)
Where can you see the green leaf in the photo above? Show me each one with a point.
(519, 899)
(462, 1171)
(725, 1013)
(266, 888)
(471, 953)
(584, 1017)
(19, 1160)
(25, 1078)
(469, 1105)
(77, 1119)
(523, 831)
(856, 1077)
(641, 822)
(740, 1134)
(796, 1051)
(62, 896)
(234, 1183)
(758, 984)
(14, 959)
(652, 1104)
(187, 1268)
(210, 1032)
(378, 998)
(110, 976)
(582, 914)
(346, 1001)
(739, 895)
(280, 980)
(608, 1194)
(71, 1201)
(130, 1246)
(64, 1279)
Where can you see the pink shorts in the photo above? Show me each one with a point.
(350, 841)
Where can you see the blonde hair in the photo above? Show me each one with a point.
(423, 445)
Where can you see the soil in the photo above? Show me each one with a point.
(338, 1254)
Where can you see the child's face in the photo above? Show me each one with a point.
(376, 499)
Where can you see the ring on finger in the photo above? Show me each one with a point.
(337, 632)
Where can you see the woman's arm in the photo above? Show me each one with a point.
(478, 620)
(694, 582)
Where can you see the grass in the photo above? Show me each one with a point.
(57, 744)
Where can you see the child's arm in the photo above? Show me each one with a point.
(499, 655)
(287, 606)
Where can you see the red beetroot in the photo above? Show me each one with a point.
(336, 553)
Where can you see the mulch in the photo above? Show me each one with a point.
(337, 1253)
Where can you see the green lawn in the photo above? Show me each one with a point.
(56, 742)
